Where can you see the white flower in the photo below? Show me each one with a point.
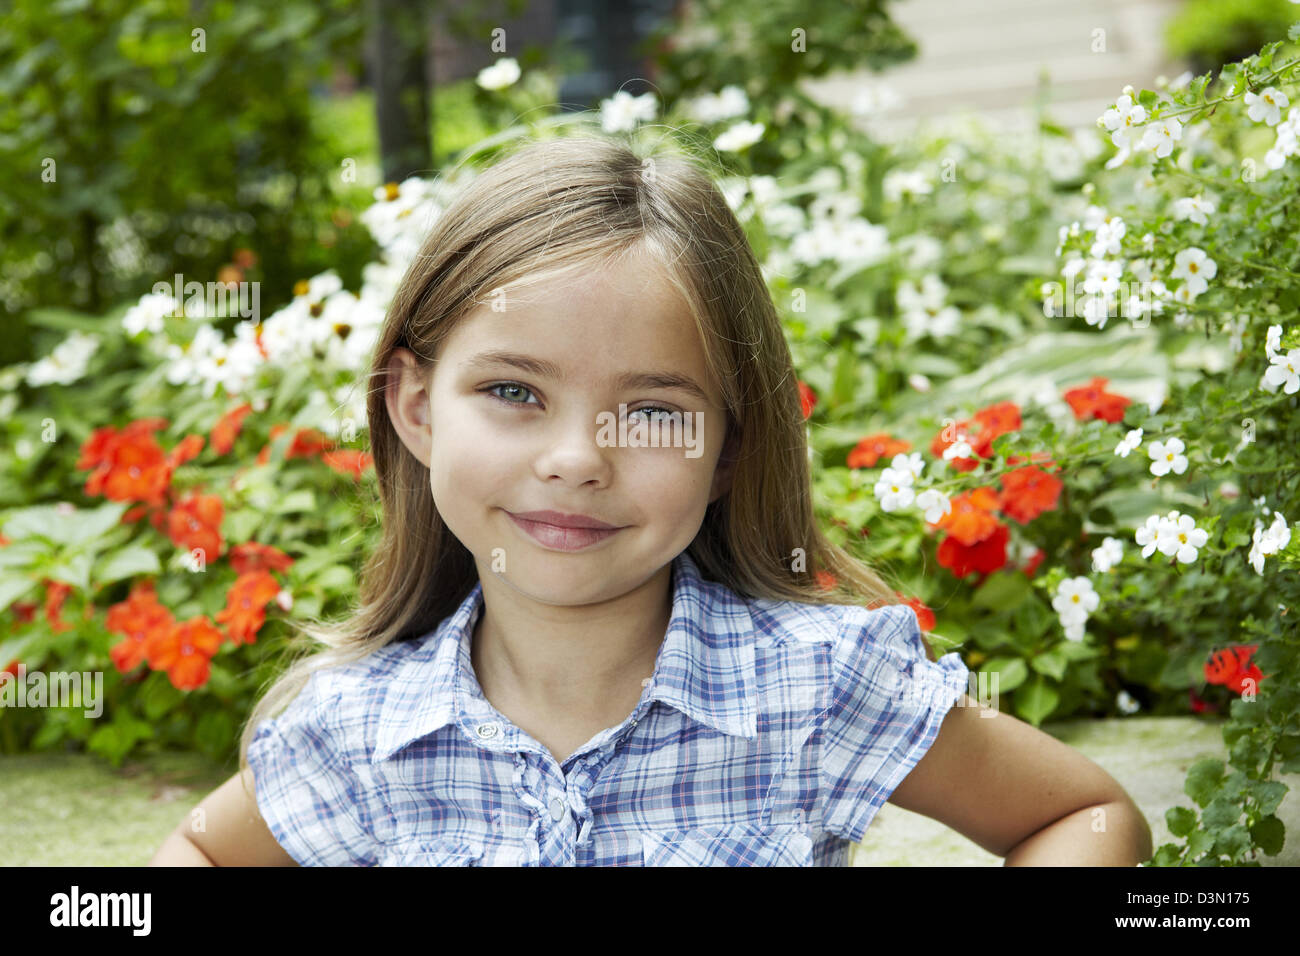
(1108, 236)
(1195, 208)
(899, 182)
(147, 314)
(1149, 535)
(912, 463)
(1284, 371)
(1123, 119)
(958, 449)
(1287, 142)
(1075, 599)
(66, 363)
(894, 489)
(1167, 456)
(1108, 555)
(728, 103)
(934, 503)
(1267, 105)
(499, 75)
(1181, 537)
(1195, 267)
(1124, 700)
(1130, 443)
(185, 362)
(740, 136)
(621, 112)
(1268, 542)
(1273, 341)
(919, 382)
(1103, 277)
(1161, 135)
(1148, 242)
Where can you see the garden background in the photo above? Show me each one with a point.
(1048, 353)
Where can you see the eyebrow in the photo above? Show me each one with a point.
(625, 382)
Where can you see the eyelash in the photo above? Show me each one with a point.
(491, 392)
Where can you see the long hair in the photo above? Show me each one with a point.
(560, 206)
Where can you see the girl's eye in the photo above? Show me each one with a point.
(655, 414)
(492, 390)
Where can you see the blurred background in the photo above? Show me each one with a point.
(206, 138)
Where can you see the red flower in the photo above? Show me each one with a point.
(1231, 667)
(306, 443)
(985, 557)
(12, 668)
(924, 616)
(251, 556)
(128, 465)
(196, 523)
(56, 592)
(347, 461)
(1028, 492)
(227, 428)
(245, 610)
(1200, 706)
(187, 449)
(1093, 401)
(971, 519)
(1031, 566)
(826, 580)
(979, 432)
(807, 399)
(871, 449)
(139, 618)
(185, 652)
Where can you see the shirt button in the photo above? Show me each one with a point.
(486, 730)
(557, 809)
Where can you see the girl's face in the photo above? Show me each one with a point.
(544, 431)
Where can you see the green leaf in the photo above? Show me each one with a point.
(1221, 813)
(1268, 794)
(1199, 843)
(1052, 663)
(1203, 779)
(1011, 672)
(1293, 32)
(1269, 835)
(158, 696)
(1180, 820)
(126, 563)
(13, 587)
(301, 500)
(1036, 700)
(1003, 591)
(337, 577)
(1233, 842)
(75, 527)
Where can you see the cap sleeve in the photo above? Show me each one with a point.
(888, 702)
(305, 785)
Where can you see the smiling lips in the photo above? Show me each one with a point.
(562, 532)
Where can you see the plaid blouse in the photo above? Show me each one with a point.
(769, 735)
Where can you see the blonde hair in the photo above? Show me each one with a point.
(557, 206)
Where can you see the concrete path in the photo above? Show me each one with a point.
(990, 57)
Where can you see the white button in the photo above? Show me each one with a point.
(486, 730)
(557, 809)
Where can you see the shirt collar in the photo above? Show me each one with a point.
(705, 669)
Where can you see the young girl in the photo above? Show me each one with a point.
(595, 631)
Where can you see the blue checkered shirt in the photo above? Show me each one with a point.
(770, 734)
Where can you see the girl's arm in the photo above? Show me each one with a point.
(1022, 794)
(232, 833)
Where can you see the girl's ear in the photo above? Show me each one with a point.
(406, 395)
(725, 471)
